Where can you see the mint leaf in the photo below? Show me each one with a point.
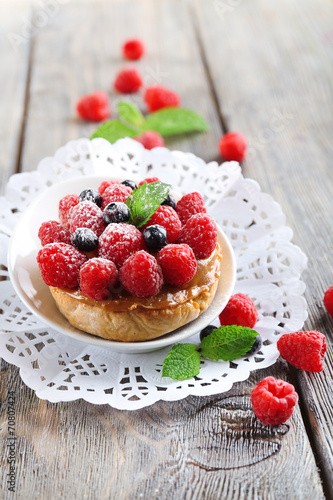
(114, 130)
(227, 342)
(145, 200)
(130, 113)
(168, 121)
(182, 362)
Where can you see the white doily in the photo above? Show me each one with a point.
(59, 368)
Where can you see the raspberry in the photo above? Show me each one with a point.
(167, 217)
(190, 204)
(97, 277)
(233, 146)
(273, 401)
(328, 300)
(304, 350)
(141, 275)
(157, 97)
(65, 206)
(106, 184)
(178, 264)
(150, 139)
(240, 310)
(148, 180)
(128, 80)
(60, 264)
(87, 214)
(52, 231)
(115, 192)
(94, 107)
(200, 232)
(133, 49)
(119, 241)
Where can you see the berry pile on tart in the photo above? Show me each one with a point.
(127, 262)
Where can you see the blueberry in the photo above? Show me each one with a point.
(91, 195)
(255, 347)
(170, 201)
(207, 331)
(117, 211)
(130, 183)
(85, 239)
(155, 237)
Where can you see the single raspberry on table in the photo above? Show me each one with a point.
(148, 180)
(200, 233)
(273, 401)
(150, 139)
(190, 204)
(133, 49)
(178, 264)
(119, 241)
(87, 214)
(128, 81)
(65, 207)
(115, 192)
(105, 184)
(304, 350)
(94, 107)
(167, 217)
(240, 310)
(328, 300)
(141, 275)
(97, 277)
(52, 232)
(157, 97)
(233, 146)
(60, 264)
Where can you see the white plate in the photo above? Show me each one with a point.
(31, 289)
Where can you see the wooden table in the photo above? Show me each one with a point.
(262, 68)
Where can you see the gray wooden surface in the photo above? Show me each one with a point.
(263, 68)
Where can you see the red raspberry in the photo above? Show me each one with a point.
(273, 401)
(141, 275)
(65, 206)
(97, 277)
(106, 184)
(149, 180)
(178, 264)
(60, 264)
(52, 232)
(200, 232)
(157, 97)
(304, 350)
(150, 139)
(94, 107)
(167, 217)
(128, 80)
(328, 300)
(87, 214)
(115, 192)
(233, 146)
(133, 49)
(190, 204)
(119, 241)
(240, 310)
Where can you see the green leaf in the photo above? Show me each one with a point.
(145, 200)
(168, 121)
(227, 342)
(182, 362)
(130, 113)
(114, 130)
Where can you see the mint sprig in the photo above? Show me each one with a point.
(182, 362)
(145, 200)
(131, 114)
(113, 130)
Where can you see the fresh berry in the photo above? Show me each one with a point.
(167, 217)
(233, 146)
(190, 204)
(155, 237)
(256, 346)
(65, 207)
(85, 239)
(141, 275)
(94, 107)
(150, 139)
(52, 232)
(200, 232)
(115, 192)
(91, 195)
(119, 241)
(178, 264)
(128, 81)
(148, 180)
(304, 350)
(117, 211)
(328, 300)
(87, 214)
(106, 184)
(97, 277)
(157, 97)
(130, 183)
(273, 401)
(240, 310)
(170, 201)
(60, 264)
(133, 49)
(207, 331)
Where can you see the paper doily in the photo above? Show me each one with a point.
(59, 368)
